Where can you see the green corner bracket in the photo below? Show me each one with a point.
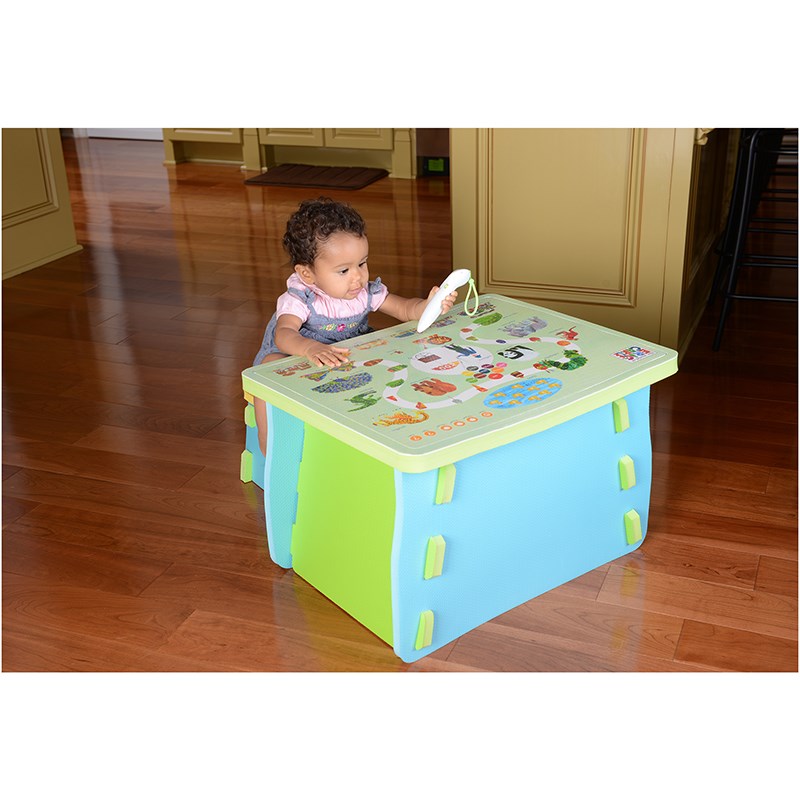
(434, 557)
(621, 419)
(246, 467)
(627, 473)
(249, 416)
(445, 484)
(424, 630)
(633, 527)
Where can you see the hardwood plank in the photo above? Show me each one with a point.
(232, 329)
(77, 565)
(716, 646)
(229, 430)
(9, 470)
(58, 324)
(184, 508)
(156, 296)
(701, 561)
(249, 314)
(76, 610)
(702, 475)
(782, 485)
(747, 397)
(178, 449)
(585, 586)
(715, 604)
(761, 442)
(79, 460)
(14, 508)
(35, 648)
(171, 399)
(502, 649)
(66, 350)
(93, 309)
(35, 380)
(726, 532)
(66, 430)
(724, 502)
(232, 367)
(225, 642)
(283, 600)
(242, 552)
(186, 379)
(215, 481)
(777, 575)
(687, 398)
(130, 285)
(94, 413)
(54, 278)
(558, 618)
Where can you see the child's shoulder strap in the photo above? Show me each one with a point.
(307, 295)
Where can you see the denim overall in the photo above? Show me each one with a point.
(327, 330)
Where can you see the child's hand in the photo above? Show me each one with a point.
(327, 355)
(447, 303)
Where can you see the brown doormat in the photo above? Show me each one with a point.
(319, 177)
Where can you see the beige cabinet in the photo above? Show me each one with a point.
(358, 138)
(37, 215)
(257, 149)
(592, 222)
(202, 144)
(386, 148)
(304, 137)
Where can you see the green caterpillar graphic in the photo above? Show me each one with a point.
(575, 360)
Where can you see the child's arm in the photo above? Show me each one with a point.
(290, 341)
(406, 309)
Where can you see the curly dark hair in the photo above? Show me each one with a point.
(312, 224)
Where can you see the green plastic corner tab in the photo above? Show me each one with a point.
(627, 472)
(434, 557)
(424, 630)
(621, 420)
(633, 527)
(445, 483)
(246, 467)
(249, 416)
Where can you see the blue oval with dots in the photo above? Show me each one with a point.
(523, 393)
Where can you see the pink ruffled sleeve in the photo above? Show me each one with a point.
(289, 304)
(378, 293)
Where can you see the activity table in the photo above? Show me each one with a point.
(440, 479)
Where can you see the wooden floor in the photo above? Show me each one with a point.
(129, 543)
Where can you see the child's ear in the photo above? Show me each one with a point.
(305, 273)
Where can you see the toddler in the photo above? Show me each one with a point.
(329, 295)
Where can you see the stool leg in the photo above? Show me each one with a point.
(737, 198)
(741, 224)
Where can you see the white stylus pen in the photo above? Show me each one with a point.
(452, 282)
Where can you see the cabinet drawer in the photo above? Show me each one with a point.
(230, 135)
(361, 138)
(311, 137)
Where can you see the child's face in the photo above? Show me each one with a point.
(340, 268)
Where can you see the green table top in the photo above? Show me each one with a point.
(418, 401)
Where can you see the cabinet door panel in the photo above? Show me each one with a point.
(311, 137)
(361, 138)
(233, 135)
(37, 215)
(591, 221)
